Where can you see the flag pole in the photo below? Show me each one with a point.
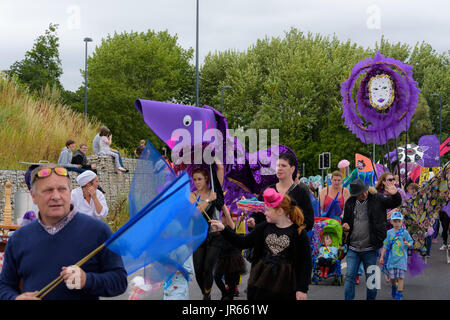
(52, 285)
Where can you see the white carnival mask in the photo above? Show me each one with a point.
(381, 92)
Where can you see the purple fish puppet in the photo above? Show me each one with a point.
(198, 136)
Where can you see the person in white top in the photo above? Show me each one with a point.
(104, 142)
(87, 198)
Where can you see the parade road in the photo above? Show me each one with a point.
(432, 284)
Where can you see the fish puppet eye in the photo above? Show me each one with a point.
(187, 120)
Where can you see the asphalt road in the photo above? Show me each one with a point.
(432, 284)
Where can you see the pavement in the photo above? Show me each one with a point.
(432, 284)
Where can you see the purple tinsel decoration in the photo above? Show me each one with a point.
(416, 264)
(379, 126)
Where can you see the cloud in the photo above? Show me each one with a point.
(232, 24)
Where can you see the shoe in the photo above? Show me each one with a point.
(394, 291)
(443, 248)
(357, 279)
(321, 272)
(399, 295)
(122, 169)
(326, 272)
(236, 292)
(207, 296)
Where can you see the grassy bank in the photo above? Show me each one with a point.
(36, 128)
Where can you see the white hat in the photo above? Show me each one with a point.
(86, 177)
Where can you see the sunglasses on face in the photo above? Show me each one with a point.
(46, 172)
(390, 180)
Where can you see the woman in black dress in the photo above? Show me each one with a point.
(282, 264)
(209, 202)
(286, 168)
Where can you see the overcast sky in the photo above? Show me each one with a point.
(232, 24)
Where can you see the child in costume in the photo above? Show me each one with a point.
(230, 265)
(327, 256)
(395, 248)
(177, 288)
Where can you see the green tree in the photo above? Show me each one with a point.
(41, 65)
(293, 84)
(130, 66)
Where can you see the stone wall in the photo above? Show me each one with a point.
(114, 184)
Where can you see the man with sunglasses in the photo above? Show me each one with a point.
(41, 251)
(365, 222)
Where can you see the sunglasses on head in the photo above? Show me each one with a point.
(46, 172)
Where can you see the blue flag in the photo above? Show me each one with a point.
(163, 234)
(151, 176)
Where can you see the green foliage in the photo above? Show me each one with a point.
(41, 65)
(130, 66)
(293, 84)
(118, 213)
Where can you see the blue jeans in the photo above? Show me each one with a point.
(79, 170)
(120, 158)
(353, 259)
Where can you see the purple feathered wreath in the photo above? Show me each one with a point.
(385, 116)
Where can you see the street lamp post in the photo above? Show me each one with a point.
(86, 40)
(221, 101)
(440, 119)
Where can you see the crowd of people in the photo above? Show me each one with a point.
(277, 245)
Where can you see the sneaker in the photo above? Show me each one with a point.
(394, 291)
(122, 169)
(399, 295)
(444, 247)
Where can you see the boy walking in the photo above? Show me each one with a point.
(395, 248)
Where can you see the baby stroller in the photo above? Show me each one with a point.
(333, 228)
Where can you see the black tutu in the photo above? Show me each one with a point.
(231, 261)
(272, 279)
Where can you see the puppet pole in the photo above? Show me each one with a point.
(370, 157)
(389, 156)
(398, 164)
(406, 153)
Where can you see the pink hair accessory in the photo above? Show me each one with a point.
(272, 199)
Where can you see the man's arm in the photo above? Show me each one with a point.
(65, 161)
(9, 278)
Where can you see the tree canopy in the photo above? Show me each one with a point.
(293, 84)
(41, 65)
(130, 66)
